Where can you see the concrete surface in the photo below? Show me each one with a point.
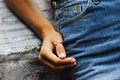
(19, 47)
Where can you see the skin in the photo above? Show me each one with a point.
(29, 12)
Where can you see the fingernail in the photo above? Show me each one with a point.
(73, 60)
(74, 63)
(62, 54)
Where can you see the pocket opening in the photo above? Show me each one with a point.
(78, 16)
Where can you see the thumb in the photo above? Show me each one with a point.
(60, 50)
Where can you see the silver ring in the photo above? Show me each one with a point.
(60, 42)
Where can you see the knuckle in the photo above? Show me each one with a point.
(42, 52)
(39, 58)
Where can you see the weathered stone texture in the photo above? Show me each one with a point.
(19, 47)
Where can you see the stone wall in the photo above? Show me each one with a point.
(19, 47)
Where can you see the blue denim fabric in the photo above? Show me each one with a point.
(91, 33)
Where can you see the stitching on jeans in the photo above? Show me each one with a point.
(76, 17)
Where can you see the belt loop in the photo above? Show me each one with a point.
(96, 1)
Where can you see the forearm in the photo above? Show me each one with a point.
(28, 11)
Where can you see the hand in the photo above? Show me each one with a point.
(51, 38)
(58, 60)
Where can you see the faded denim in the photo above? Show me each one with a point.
(91, 33)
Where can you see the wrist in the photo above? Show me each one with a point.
(42, 28)
(47, 31)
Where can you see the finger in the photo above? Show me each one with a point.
(44, 61)
(65, 62)
(64, 66)
(53, 59)
(54, 67)
(60, 51)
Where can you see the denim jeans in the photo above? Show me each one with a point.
(91, 34)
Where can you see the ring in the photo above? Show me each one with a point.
(58, 43)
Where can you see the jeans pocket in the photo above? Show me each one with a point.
(73, 11)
